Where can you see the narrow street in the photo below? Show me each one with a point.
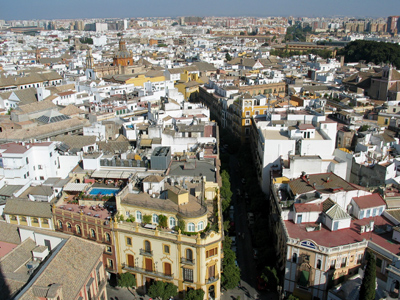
(244, 247)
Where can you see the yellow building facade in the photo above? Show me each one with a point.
(188, 257)
(189, 84)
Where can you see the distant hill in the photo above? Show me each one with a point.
(376, 52)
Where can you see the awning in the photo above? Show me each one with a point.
(112, 174)
(75, 187)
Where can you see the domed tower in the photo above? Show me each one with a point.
(123, 57)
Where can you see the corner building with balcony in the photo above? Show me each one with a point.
(154, 249)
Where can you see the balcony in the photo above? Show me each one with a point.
(186, 261)
(148, 272)
(146, 252)
(212, 279)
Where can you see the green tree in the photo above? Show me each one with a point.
(231, 273)
(146, 219)
(231, 276)
(195, 295)
(225, 191)
(370, 51)
(126, 280)
(291, 297)
(131, 219)
(368, 285)
(182, 225)
(227, 225)
(86, 40)
(270, 276)
(163, 290)
(228, 57)
(163, 221)
(364, 127)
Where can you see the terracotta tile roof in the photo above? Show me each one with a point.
(327, 238)
(327, 204)
(306, 126)
(28, 208)
(153, 178)
(47, 130)
(395, 213)
(71, 267)
(304, 207)
(369, 201)
(75, 141)
(71, 110)
(14, 277)
(9, 233)
(303, 185)
(34, 107)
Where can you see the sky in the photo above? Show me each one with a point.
(77, 9)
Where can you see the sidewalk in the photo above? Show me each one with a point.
(117, 293)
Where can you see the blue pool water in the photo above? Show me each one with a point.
(103, 191)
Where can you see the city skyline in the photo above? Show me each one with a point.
(42, 9)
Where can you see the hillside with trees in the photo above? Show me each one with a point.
(376, 52)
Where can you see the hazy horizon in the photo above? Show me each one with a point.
(90, 9)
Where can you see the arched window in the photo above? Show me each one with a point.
(107, 237)
(319, 263)
(92, 234)
(155, 218)
(191, 227)
(294, 258)
(78, 230)
(200, 226)
(189, 254)
(35, 221)
(60, 224)
(23, 220)
(172, 222)
(138, 216)
(147, 246)
(69, 226)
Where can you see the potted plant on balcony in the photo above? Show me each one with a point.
(162, 221)
(146, 219)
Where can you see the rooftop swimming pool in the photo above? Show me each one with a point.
(103, 191)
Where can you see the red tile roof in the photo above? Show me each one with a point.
(306, 126)
(369, 201)
(304, 207)
(19, 148)
(327, 238)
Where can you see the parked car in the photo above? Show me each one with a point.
(233, 238)
(231, 212)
